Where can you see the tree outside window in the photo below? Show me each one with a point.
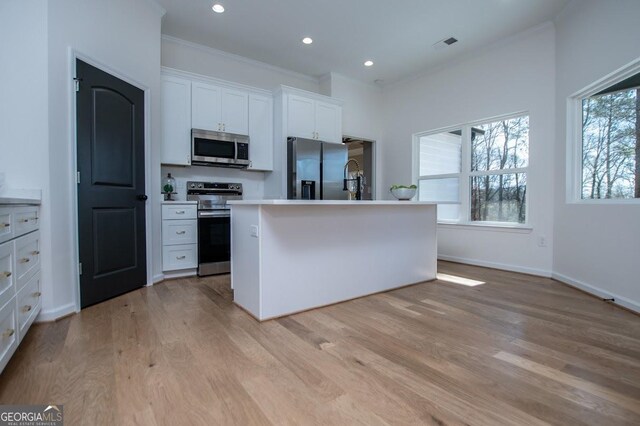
(611, 142)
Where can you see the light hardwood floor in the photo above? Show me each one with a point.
(515, 350)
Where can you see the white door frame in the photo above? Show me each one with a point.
(73, 55)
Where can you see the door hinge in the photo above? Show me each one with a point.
(77, 177)
(77, 81)
(80, 268)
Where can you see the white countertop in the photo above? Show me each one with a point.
(179, 202)
(328, 203)
(21, 196)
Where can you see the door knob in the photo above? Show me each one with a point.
(142, 197)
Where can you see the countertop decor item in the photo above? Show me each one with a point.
(168, 187)
(403, 192)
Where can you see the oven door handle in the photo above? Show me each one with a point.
(205, 214)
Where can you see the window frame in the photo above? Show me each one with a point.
(574, 143)
(465, 175)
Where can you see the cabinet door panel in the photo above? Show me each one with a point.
(205, 106)
(7, 273)
(261, 132)
(300, 117)
(329, 122)
(235, 111)
(8, 332)
(176, 121)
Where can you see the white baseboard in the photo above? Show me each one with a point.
(54, 314)
(157, 279)
(495, 265)
(180, 274)
(596, 291)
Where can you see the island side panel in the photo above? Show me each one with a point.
(318, 255)
(245, 258)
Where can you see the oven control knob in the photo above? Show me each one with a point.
(193, 185)
(200, 185)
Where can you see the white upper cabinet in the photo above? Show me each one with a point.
(219, 109)
(206, 107)
(235, 111)
(176, 121)
(313, 119)
(328, 122)
(301, 120)
(260, 132)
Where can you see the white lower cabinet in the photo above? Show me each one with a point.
(20, 290)
(179, 257)
(179, 236)
(28, 305)
(8, 332)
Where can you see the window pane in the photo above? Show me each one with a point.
(499, 198)
(440, 153)
(610, 147)
(445, 189)
(500, 145)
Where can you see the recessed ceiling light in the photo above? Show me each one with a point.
(217, 8)
(368, 63)
(307, 40)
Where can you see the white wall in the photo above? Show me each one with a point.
(597, 247)
(24, 130)
(124, 35)
(517, 74)
(361, 112)
(252, 182)
(195, 58)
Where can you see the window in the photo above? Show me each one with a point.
(439, 170)
(610, 136)
(482, 168)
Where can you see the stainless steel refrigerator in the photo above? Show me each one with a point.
(315, 170)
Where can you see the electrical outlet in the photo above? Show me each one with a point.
(542, 241)
(254, 231)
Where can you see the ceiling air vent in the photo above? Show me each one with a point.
(445, 43)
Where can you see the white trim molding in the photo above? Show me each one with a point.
(495, 265)
(597, 291)
(73, 55)
(233, 56)
(57, 313)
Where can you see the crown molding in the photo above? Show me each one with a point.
(222, 54)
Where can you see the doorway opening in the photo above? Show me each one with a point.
(362, 151)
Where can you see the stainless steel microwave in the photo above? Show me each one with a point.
(219, 149)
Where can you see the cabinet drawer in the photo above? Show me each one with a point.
(25, 219)
(179, 257)
(6, 225)
(8, 332)
(179, 232)
(27, 257)
(180, 211)
(28, 304)
(7, 277)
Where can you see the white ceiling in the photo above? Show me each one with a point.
(397, 35)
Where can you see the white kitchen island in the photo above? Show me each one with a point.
(288, 256)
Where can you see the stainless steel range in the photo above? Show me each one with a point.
(214, 224)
